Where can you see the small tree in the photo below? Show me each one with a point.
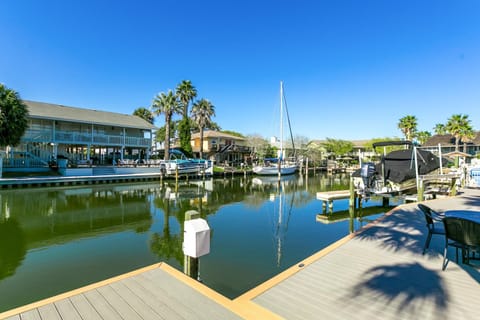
(202, 113)
(408, 126)
(467, 135)
(185, 93)
(338, 147)
(145, 114)
(440, 129)
(456, 125)
(167, 104)
(258, 145)
(13, 117)
(423, 136)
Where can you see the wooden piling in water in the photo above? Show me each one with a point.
(352, 193)
(190, 264)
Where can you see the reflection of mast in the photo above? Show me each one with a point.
(282, 229)
(279, 225)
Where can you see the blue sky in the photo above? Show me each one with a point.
(351, 69)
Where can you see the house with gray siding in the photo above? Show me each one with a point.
(82, 136)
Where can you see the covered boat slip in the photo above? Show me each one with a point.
(406, 171)
(376, 273)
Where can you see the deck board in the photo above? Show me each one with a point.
(49, 311)
(170, 300)
(190, 302)
(141, 306)
(66, 310)
(118, 303)
(152, 300)
(84, 308)
(103, 307)
(31, 315)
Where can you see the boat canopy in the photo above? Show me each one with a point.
(399, 165)
(392, 143)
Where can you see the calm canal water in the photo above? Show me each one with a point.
(57, 239)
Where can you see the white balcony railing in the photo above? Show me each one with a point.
(71, 137)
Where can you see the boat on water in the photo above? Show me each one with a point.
(397, 171)
(273, 167)
(179, 163)
(278, 166)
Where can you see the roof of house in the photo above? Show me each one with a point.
(216, 134)
(449, 140)
(50, 111)
(443, 139)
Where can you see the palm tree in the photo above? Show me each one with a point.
(408, 126)
(467, 135)
(440, 129)
(144, 113)
(185, 93)
(13, 117)
(456, 125)
(202, 111)
(167, 104)
(423, 136)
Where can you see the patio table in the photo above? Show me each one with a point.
(464, 214)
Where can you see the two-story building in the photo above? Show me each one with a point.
(222, 147)
(83, 136)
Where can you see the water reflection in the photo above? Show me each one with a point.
(361, 215)
(42, 218)
(12, 247)
(56, 216)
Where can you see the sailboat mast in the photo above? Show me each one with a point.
(281, 132)
(281, 119)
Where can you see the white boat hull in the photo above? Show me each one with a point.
(173, 167)
(273, 170)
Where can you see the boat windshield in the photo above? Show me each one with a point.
(177, 155)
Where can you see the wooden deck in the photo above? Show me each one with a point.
(333, 195)
(57, 181)
(155, 292)
(377, 273)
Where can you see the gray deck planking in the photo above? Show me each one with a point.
(84, 308)
(154, 302)
(49, 311)
(145, 310)
(66, 310)
(118, 303)
(190, 300)
(154, 294)
(31, 315)
(171, 303)
(381, 274)
(102, 306)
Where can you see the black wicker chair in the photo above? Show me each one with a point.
(462, 234)
(434, 224)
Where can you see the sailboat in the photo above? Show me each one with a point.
(277, 166)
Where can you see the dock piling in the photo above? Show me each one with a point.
(190, 265)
